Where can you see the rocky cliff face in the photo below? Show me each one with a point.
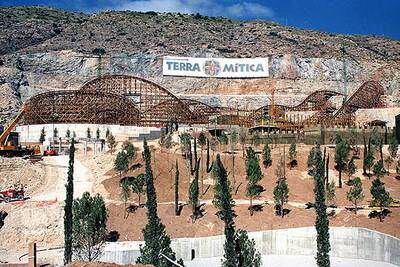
(43, 49)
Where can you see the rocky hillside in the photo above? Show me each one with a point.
(45, 49)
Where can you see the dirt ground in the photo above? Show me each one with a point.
(301, 191)
(40, 218)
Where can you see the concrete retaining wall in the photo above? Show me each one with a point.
(346, 242)
(31, 133)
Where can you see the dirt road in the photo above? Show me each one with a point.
(56, 176)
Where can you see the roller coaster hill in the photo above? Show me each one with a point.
(134, 101)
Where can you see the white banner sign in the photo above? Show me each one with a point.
(216, 67)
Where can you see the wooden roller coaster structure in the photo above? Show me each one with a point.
(129, 100)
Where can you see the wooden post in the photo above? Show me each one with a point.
(32, 255)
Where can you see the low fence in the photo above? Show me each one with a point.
(346, 242)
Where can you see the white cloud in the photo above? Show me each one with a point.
(245, 9)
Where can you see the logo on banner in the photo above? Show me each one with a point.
(212, 67)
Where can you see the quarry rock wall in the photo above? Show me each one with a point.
(26, 75)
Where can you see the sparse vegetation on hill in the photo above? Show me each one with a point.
(41, 29)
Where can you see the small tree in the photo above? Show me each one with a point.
(176, 184)
(351, 168)
(355, 193)
(186, 147)
(233, 138)
(121, 162)
(281, 194)
(398, 168)
(42, 137)
(341, 158)
(311, 163)
(111, 143)
(88, 133)
(292, 154)
(380, 197)
(224, 202)
(238, 249)
(321, 222)
(246, 253)
(156, 239)
(98, 134)
(138, 186)
(55, 132)
(379, 171)
(194, 192)
(393, 146)
(369, 160)
(69, 198)
(255, 138)
(223, 139)
(107, 132)
(266, 156)
(202, 140)
(73, 134)
(68, 134)
(131, 151)
(243, 139)
(125, 193)
(89, 227)
(330, 193)
(253, 175)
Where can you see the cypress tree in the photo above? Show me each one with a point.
(364, 155)
(369, 161)
(341, 157)
(194, 191)
(156, 239)
(69, 198)
(194, 153)
(68, 133)
(88, 133)
(351, 168)
(176, 184)
(322, 222)
(224, 202)
(379, 170)
(281, 194)
(42, 137)
(239, 250)
(98, 134)
(202, 142)
(253, 175)
(208, 167)
(293, 155)
(266, 156)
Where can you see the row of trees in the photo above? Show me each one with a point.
(69, 135)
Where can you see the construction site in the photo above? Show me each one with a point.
(38, 131)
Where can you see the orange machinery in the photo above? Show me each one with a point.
(9, 148)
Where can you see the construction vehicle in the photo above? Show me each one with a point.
(9, 145)
(12, 194)
(50, 152)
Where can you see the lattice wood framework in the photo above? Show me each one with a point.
(156, 104)
(202, 112)
(317, 101)
(129, 100)
(367, 96)
(73, 106)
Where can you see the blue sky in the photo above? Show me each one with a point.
(377, 17)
